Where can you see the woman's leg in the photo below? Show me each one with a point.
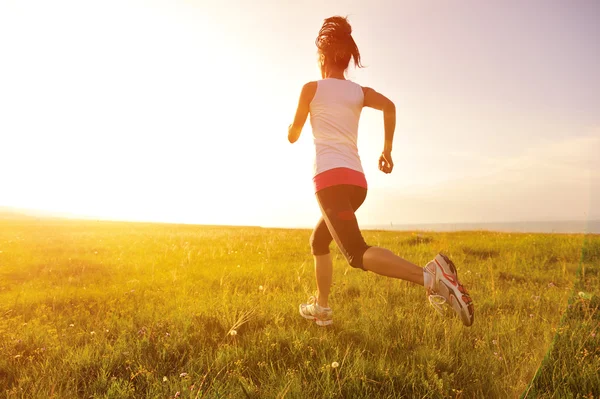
(324, 274)
(319, 243)
(386, 263)
(338, 205)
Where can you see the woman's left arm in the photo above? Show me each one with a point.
(306, 96)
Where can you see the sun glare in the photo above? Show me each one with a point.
(178, 111)
(150, 119)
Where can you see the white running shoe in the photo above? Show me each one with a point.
(446, 288)
(313, 311)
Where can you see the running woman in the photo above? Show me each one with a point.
(334, 104)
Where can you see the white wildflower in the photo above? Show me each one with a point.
(335, 365)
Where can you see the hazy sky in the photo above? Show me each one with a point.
(178, 110)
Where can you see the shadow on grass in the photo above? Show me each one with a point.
(480, 253)
(417, 240)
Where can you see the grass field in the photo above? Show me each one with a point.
(123, 310)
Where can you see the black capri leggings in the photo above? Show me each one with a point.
(338, 222)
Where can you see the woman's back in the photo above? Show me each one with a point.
(334, 115)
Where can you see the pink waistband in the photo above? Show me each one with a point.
(333, 177)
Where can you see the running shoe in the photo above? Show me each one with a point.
(313, 311)
(446, 288)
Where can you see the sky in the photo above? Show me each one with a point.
(177, 111)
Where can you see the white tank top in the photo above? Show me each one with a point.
(334, 114)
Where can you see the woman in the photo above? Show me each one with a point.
(335, 104)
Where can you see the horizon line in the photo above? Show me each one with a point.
(43, 214)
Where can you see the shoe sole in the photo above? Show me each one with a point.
(460, 301)
(319, 322)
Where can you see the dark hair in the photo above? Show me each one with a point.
(336, 44)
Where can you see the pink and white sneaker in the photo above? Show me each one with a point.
(446, 288)
(313, 311)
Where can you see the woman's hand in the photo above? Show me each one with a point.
(385, 162)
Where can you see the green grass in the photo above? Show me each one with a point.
(123, 310)
(572, 366)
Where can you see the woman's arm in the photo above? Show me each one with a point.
(306, 96)
(380, 102)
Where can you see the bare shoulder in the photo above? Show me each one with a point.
(308, 92)
(373, 99)
(310, 87)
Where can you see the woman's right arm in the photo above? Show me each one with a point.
(373, 99)
(306, 96)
